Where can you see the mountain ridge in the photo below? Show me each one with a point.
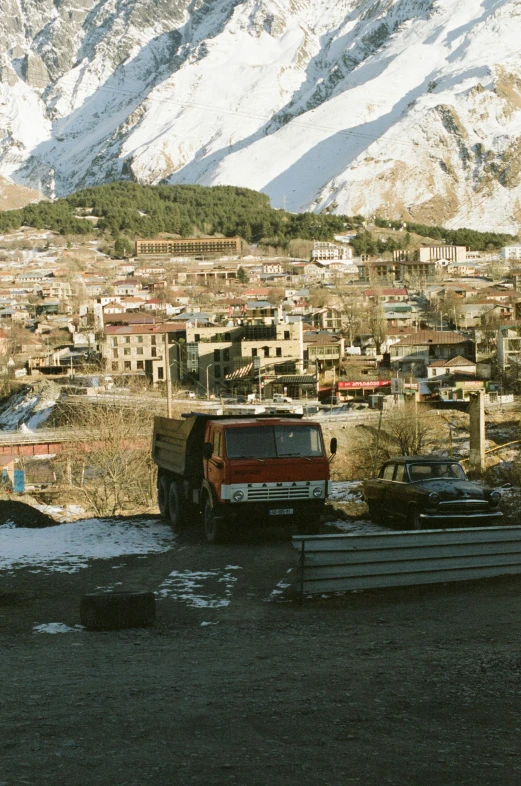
(406, 108)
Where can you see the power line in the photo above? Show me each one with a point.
(295, 121)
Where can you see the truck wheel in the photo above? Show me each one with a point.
(413, 518)
(215, 530)
(163, 484)
(175, 506)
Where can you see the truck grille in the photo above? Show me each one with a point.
(279, 493)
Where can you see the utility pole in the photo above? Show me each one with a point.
(168, 379)
(208, 367)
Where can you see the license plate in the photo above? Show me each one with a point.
(281, 512)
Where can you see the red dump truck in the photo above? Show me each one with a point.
(241, 471)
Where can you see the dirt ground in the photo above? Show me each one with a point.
(406, 686)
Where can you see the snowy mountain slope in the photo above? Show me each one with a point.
(411, 108)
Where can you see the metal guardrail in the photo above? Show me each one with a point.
(339, 563)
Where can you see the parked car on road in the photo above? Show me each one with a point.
(425, 492)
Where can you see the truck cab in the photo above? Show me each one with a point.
(243, 471)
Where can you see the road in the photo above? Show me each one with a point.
(238, 684)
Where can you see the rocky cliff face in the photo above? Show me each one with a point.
(408, 108)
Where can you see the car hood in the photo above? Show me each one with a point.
(452, 489)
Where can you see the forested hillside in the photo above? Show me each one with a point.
(130, 210)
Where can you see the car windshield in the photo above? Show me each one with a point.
(450, 470)
(262, 442)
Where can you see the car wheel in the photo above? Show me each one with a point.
(163, 484)
(215, 529)
(375, 511)
(175, 506)
(413, 518)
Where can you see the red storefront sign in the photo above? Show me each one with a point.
(365, 384)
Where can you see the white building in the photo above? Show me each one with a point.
(511, 252)
(328, 251)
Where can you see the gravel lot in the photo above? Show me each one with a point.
(238, 684)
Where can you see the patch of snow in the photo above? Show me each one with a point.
(346, 490)
(356, 526)
(211, 589)
(57, 627)
(67, 548)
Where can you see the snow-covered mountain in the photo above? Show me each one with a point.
(411, 108)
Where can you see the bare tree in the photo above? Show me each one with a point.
(410, 430)
(108, 463)
(377, 325)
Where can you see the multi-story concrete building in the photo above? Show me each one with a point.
(511, 252)
(509, 346)
(189, 246)
(327, 251)
(141, 347)
(431, 254)
(416, 351)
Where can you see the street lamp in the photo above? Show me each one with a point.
(208, 367)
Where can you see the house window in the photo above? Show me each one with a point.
(286, 335)
(254, 352)
(226, 354)
(153, 352)
(126, 365)
(217, 372)
(139, 350)
(278, 352)
(126, 340)
(153, 340)
(226, 370)
(115, 353)
(197, 337)
(126, 351)
(139, 339)
(266, 352)
(115, 366)
(114, 342)
(217, 355)
(160, 372)
(140, 365)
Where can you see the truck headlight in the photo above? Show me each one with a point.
(238, 496)
(317, 492)
(434, 498)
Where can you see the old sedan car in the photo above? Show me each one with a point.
(429, 492)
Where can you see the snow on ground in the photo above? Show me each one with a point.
(30, 407)
(201, 589)
(346, 490)
(67, 548)
(355, 527)
(61, 514)
(57, 627)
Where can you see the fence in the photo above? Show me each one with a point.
(338, 563)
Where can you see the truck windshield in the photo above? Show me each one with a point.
(261, 442)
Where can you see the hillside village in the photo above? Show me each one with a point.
(435, 321)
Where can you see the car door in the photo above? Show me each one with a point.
(383, 482)
(398, 495)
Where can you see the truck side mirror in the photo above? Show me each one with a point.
(207, 450)
(333, 445)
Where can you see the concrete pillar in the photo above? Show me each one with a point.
(477, 433)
